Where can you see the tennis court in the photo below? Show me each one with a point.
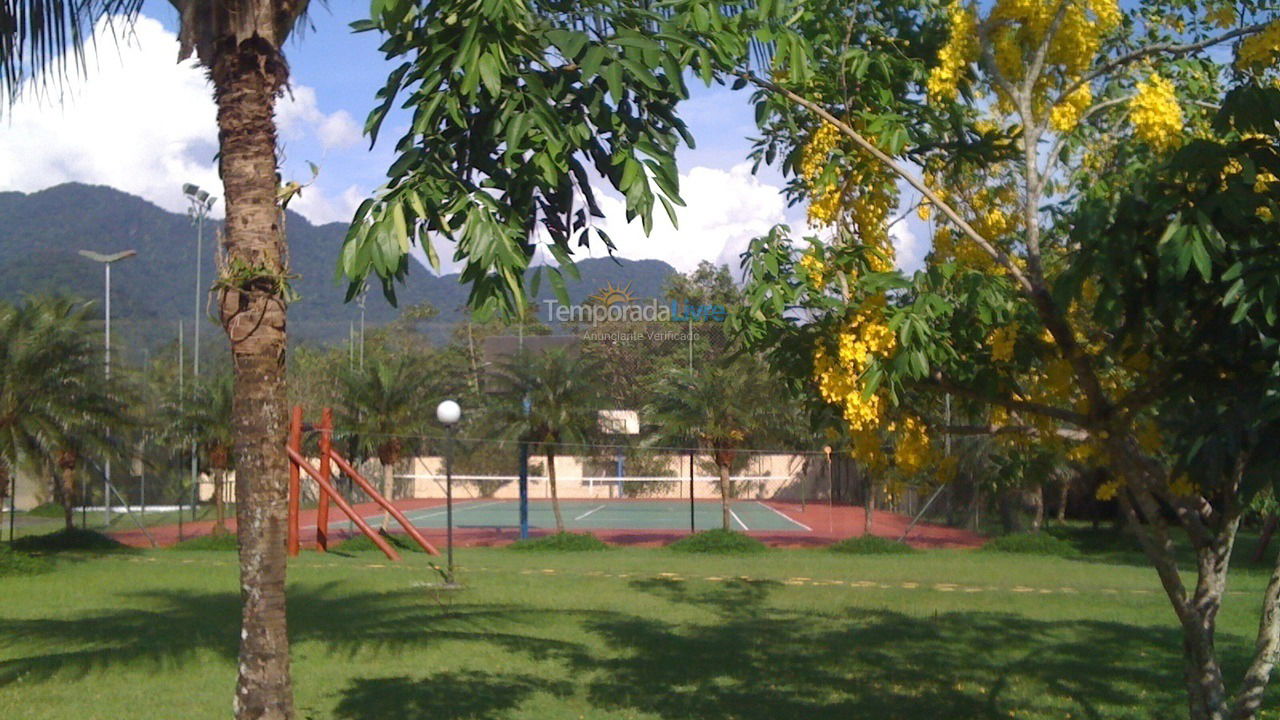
(747, 515)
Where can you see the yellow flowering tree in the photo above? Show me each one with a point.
(1100, 183)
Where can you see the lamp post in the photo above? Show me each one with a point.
(107, 261)
(448, 412)
(201, 203)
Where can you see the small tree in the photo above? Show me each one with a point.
(384, 405)
(552, 398)
(720, 407)
(56, 405)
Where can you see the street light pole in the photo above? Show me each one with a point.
(448, 413)
(107, 261)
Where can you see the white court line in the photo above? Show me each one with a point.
(600, 507)
(784, 517)
(734, 515)
(456, 509)
(413, 518)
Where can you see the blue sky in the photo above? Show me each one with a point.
(145, 125)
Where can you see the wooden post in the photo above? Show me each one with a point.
(322, 510)
(295, 444)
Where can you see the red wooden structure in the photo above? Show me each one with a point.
(323, 477)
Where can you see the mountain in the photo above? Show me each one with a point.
(41, 232)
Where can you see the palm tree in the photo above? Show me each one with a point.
(382, 404)
(240, 43)
(204, 415)
(719, 407)
(552, 398)
(56, 405)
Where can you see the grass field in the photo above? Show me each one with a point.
(626, 633)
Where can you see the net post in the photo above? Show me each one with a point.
(692, 528)
(322, 504)
(524, 490)
(295, 444)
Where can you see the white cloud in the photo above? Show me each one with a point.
(724, 210)
(139, 122)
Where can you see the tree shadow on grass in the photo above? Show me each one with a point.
(170, 628)
(760, 662)
(443, 696)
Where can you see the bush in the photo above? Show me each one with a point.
(47, 510)
(220, 542)
(1041, 543)
(872, 545)
(67, 541)
(361, 543)
(17, 563)
(718, 542)
(562, 542)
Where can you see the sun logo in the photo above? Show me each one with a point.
(610, 295)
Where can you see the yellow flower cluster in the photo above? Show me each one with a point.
(865, 337)
(913, 452)
(1066, 115)
(824, 202)
(1002, 341)
(1259, 51)
(814, 269)
(1156, 115)
(960, 50)
(1076, 41)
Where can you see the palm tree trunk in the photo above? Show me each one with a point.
(248, 74)
(220, 508)
(725, 516)
(388, 485)
(68, 483)
(5, 479)
(555, 497)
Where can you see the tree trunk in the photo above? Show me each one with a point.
(5, 481)
(220, 508)
(725, 516)
(1264, 541)
(1064, 493)
(555, 497)
(388, 487)
(869, 507)
(248, 75)
(68, 483)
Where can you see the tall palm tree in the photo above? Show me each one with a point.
(240, 43)
(383, 404)
(56, 405)
(551, 398)
(204, 415)
(720, 407)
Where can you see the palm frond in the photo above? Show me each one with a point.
(42, 41)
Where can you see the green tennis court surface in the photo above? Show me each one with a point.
(605, 515)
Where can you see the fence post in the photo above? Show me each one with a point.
(295, 444)
(322, 502)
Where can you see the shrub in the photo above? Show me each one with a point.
(562, 542)
(719, 542)
(67, 541)
(361, 543)
(47, 510)
(220, 542)
(18, 563)
(1040, 543)
(872, 545)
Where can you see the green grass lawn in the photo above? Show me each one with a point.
(96, 520)
(625, 633)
